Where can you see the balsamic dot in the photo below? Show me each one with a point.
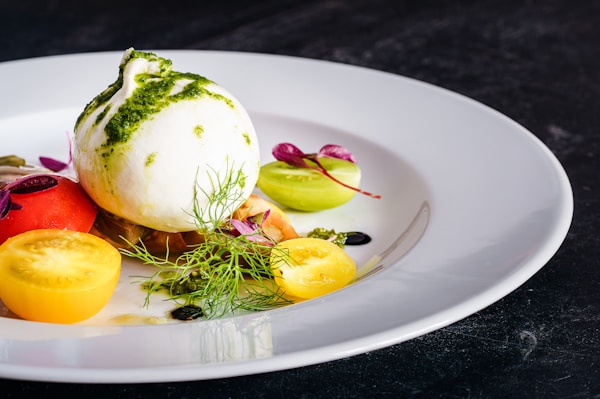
(357, 238)
(188, 312)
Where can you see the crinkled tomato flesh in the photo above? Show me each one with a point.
(311, 267)
(57, 276)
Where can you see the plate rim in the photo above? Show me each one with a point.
(342, 349)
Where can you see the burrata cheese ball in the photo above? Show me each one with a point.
(168, 150)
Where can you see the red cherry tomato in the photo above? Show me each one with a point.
(65, 206)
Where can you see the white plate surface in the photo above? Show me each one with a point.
(499, 202)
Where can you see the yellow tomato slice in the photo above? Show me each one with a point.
(57, 276)
(310, 267)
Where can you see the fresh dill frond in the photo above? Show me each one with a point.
(223, 199)
(224, 273)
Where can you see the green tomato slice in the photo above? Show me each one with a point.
(308, 190)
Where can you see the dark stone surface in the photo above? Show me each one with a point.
(536, 61)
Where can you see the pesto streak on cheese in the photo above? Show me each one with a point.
(156, 145)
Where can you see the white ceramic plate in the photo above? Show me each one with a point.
(497, 203)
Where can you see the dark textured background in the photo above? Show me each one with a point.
(536, 61)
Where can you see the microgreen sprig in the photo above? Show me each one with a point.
(292, 155)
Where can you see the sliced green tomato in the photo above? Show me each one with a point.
(305, 189)
(310, 267)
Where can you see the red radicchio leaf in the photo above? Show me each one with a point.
(32, 184)
(290, 154)
(336, 151)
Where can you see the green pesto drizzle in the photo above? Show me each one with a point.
(151, 96)
(110, 91)
(148, 99)
(198, 131)
(150, 159)
(247, 138)
(102, 114)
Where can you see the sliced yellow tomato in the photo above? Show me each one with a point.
(310, 267)
(57, 276)
(277, 225)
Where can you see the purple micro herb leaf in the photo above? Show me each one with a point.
(32, 184)
(4, 203)
(263, 217)
(56, 165)
(292, 155)
(250, 229)
(53, 164)
(242, 227)
(336, 151)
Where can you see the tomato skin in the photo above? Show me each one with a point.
(57, 276)
(65, 206)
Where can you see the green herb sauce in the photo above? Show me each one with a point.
(155, 91)
(150, 159)
(198, 131)
(247, 138)
(338, 239)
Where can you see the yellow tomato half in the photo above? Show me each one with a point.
(310, 267)
(57, 276)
